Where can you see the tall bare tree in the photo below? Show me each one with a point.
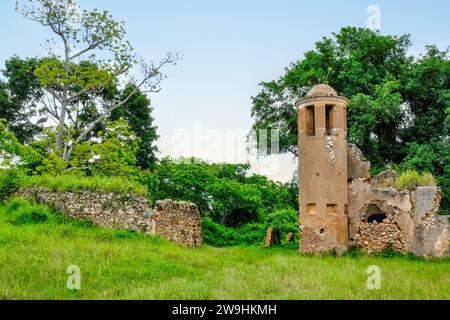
(89, 54)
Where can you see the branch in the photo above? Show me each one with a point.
(52, 113)
(69, 114)
(84, 91)
(91, 47)
(100, 88)
(26, 119)
(106, 114)
(150, 73)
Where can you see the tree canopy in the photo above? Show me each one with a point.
(395, 99)
(19, 96)
(94, 56)
(398, 104)
(138, 112)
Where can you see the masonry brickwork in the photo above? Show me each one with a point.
(342, 206)
(176, 221)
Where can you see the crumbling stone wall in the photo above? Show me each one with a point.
(357, 167)
(176, 221)
(341, 205)
(404, 220)
(432, 231)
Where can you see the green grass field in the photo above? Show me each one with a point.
(37, 247)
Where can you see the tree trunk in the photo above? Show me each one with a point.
(62, 120)
(64, 102)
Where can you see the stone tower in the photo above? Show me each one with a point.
(323, 174)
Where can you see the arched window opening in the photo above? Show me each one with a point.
(375, 214)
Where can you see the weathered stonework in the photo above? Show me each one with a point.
(272, 238)
(385, 179)
(342, 206)
(323, 171)
(176, 221)
(357, 167)
(404, 220)
(290, 237)
(432, 232)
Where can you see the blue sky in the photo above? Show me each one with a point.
(229, 47)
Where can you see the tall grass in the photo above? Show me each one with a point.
(35, 256)
(9, 183)
(71, 183)
(412, 179)
(21, 212)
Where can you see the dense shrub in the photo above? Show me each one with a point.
(33, 216)
(9, 182)
(151, 181)
(434, 157)
(218, 235)
(252, 234)
(21, 212)
(222, 191)
(285, 220)
(412, 179)
(444, 183)
(420, 157)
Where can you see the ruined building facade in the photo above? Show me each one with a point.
(341, 205)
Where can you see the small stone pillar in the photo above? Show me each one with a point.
(272, 237)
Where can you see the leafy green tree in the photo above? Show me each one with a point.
(375, 123)
(399, 112)
(12, 152)
(77, 73)
(19, 95)
(186, 181)
(138, 113)
(113, 153)
(27, 106)
(10, 147)
(222, 191)
(5, 105)
(355, 62)
(420, 157)
(116, 155)
(426, 92)
(235, 204)
(274, 195)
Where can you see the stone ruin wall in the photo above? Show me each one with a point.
(341, 205)
(177, 221)
(183, 217)
(381, 216)
(404, 220)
